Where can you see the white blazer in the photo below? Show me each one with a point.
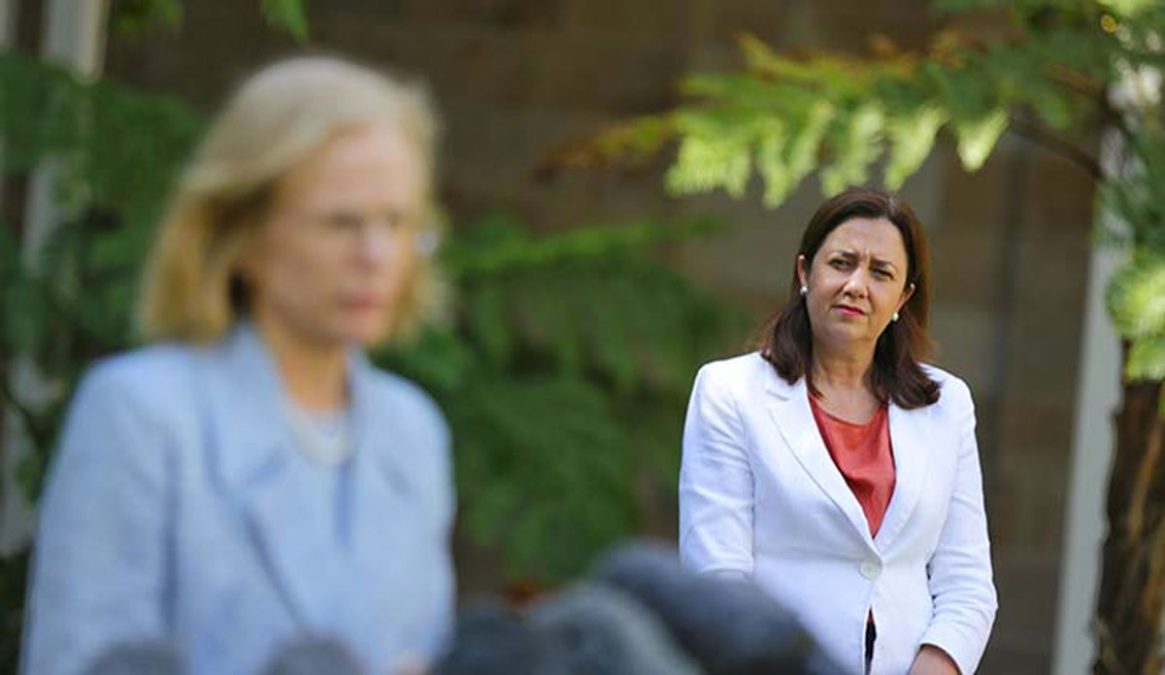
(760, 496)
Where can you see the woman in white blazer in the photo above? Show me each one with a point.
(249, 480)
(836, 471)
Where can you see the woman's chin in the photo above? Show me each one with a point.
(843, 335)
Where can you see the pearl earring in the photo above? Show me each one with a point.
(804, 290)
(895, 317)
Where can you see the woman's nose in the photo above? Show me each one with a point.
(855, 284)
(377, 244)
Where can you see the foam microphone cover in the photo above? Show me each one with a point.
(314, 655)
(729, 626)
(492, 639)
(601, 631)
(141, 657)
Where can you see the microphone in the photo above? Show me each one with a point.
(140, 657)
(729, 626)
(601, 631)
(492, 639)
(314, 655)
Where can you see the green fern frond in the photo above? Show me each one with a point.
(1146, 359)
(1136, 299)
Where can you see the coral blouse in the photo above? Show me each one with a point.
(863, 454)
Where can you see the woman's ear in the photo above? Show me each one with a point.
(802, 272)
(248, 255)
(907, 293)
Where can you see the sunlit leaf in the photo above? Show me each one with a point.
(911, 138)
(1146, 359)
(855, 148)
(290, 15)
(1136, 299)
(977, 138)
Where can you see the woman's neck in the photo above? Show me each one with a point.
(838, 370)
(843, 382)
(314, 373)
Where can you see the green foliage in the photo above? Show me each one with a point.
(564, 375)
(137, 17)
(111, 146)
(785, 116)
(1136, 299)
(113, 152)
(289, 15)
(1146, 359)
(1045, 72)
(1136, 295)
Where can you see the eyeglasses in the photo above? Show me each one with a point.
(393, 225)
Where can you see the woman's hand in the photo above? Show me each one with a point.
(933, 661)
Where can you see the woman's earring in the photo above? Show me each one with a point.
(805, 291)
(895, 317)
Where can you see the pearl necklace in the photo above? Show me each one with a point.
(325, 440)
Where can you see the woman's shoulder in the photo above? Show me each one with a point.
(736, 376)
(953, 390)
(410, 400)
(135, 396)
(736, 368)
(147, 375)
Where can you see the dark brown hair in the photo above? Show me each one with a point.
(896, 375)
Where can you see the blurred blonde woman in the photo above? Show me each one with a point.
(248, 478)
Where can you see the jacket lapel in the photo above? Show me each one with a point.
(385, 512)
(909, 431)
(259, 466)
(380, 476)
(789, 406)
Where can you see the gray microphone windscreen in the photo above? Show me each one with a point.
(314, 655)
(142, 657)
(601, 631)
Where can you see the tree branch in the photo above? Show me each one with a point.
(1048, 139)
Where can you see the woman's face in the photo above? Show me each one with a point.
(339, 241)
(856, 281)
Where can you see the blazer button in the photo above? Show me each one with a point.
(870, 569)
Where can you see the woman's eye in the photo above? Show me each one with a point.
(343, 221)
(393, 220)
(840, 263)
(883, 274)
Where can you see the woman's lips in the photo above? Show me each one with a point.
(849, 311)
(363, 303)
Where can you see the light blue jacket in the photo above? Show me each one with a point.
(179, 507)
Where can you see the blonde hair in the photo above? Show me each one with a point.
(275, 120)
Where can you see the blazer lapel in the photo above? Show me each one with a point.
(380, 481)
(909, 431)
(258, 465)
(789, 406)
(384, 509)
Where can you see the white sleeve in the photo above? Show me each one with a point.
(960, 569)
(716, 485)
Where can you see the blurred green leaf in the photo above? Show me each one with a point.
(1136, 299)
(856, 145)
(911, 138)
(290, 15)
(1146, 359)
(977, 138)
